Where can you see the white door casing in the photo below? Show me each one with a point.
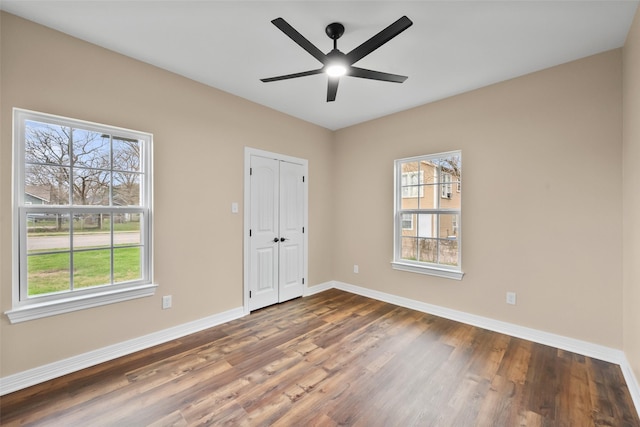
(275, 243)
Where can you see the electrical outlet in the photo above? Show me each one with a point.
(166, 302)
(355, 268)
(511, 298)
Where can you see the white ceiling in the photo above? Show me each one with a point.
(452, 47)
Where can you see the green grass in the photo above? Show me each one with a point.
(51, 273)
(49, 227)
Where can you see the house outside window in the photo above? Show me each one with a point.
(82, 216)
(432, 245)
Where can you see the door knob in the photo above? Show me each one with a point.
(282, 239)
(276, 240)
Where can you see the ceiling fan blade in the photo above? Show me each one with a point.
(299, 39)
(332, 89)
(376, 75)
(379, 39)
(292, 76)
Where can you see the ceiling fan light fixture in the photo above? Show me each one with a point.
(336, 65)
(336, 70)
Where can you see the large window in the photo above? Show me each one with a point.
(428, 212)
(82, 216)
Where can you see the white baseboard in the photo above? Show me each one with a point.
(53, 370)
(582, 347)
(312, 290)
(632, 383)
(565, 343)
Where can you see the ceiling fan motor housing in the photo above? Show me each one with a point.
(335, 30)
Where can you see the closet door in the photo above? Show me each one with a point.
(291, 248)
(264, 238)
(276, 242)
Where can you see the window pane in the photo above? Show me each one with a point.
(91, 268)
(448, 228)
(91, 187)
(48, 273)
(46, 185)
(126, 229)
(46, 143)
(409, 225)
(451, 166)
(448, 252)
(409, 167)
(409, 200)
(91, 223)
(126, 189)
(91, 231)
(126, 154)
(91, 150)
(127, 264)
(449, 178)
(429, 197)
(445, 185)
(409, 250)
(407, 221)
(411, 179)
(450, 198)
(47, 232)
(426, 225)
(427, 249)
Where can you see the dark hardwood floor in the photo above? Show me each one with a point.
(335, 359)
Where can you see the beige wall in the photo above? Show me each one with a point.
(541, 204)
(199, 139)
(631, 196)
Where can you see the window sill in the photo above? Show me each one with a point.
(431, 271)
(67, 305)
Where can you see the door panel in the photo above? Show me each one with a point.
(266, 258)
(291, 229)
(263, 251)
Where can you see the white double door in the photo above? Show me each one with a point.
(276, 231)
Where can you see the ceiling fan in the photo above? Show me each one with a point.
(335, 63)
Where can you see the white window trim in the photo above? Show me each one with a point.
(81, 302)
(429, 270)
(437, 270)
(36, 308)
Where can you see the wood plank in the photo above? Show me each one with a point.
(331, 359)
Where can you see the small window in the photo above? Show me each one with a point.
(412, 182)
(446, 185)
(82, 211)
(407, 222)
(427, 230)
